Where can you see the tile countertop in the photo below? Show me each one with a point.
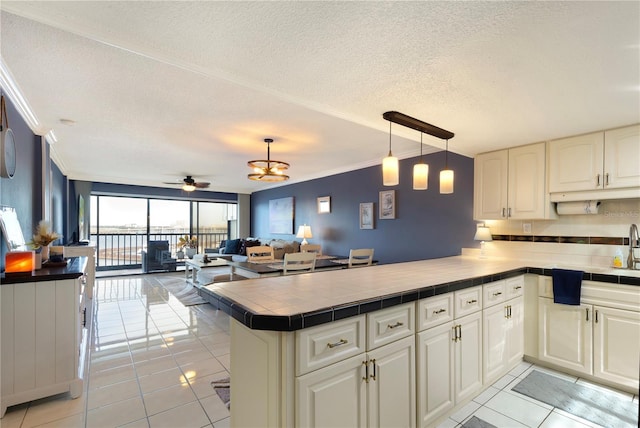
(287, 303)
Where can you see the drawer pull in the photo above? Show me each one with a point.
(517, 287)
(497, 293)
(338, 343)
(469, 302)
(397, 324)
(439, 311)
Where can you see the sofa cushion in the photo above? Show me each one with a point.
(246, 243)
(232, 246)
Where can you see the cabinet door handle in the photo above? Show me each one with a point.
(459, 332)
(469, 302)
(398, 324)
(455, 333)
(338, 343)
(503, 212)
(598, 180)
(373, 362)
(587, 309)
(439, 311)
(596, 316)
(509, 311)
(366, 371)
(498, 293)
(84, 317)
(606, 179)
(509, 212)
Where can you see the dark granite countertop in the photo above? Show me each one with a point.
(74, 268)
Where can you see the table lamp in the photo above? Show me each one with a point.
(304, 232)
(483, 234)
(19, 262)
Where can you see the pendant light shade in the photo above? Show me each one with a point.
(446, 175)
(420, 172)
(268, 169)
(390, 167)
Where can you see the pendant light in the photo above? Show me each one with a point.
(446, 175)
(421, 172)
(268, 169)
(390, 167)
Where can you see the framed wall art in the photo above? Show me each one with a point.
(281, 215)
(366, 215)
(324, 204)
(387, 204)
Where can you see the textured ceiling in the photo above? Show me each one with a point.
(159, 90)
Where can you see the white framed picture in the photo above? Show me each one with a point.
(366, 215)
(387, 204)
(324, 204)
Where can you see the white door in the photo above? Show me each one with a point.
(490, 185)
(434, 371)
(564, 335)
(622, 157)
(527, 178)
(616, 342)
(392, 385)
(576, 163)
(334, 396)
(494, 333)
(468, 356)
(515, 332)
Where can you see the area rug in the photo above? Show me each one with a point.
(223, 389)
(595, 405)
(476, 422)
(187, 294)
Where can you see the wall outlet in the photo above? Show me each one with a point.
(526, 227)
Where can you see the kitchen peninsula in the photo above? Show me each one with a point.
(43, 335)
(320, 346)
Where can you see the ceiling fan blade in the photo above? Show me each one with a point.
(202, 184)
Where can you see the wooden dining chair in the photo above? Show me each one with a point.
(260, 253)
(299, 263)
(360, 257)
(311, 248)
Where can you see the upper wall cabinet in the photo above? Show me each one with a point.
(511, 184)
(600, 161)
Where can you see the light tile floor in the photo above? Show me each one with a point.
(152, 361)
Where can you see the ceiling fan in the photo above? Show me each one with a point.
(189, 184)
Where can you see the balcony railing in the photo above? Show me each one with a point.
(124, 250)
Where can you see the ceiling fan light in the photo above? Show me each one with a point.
(188, 187)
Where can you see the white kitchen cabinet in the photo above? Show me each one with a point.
(597, 161)
(41, 340)
(511, 184)
(503, 327)
(565, 337)
(88, 251)
(449, 357)
(616, 345)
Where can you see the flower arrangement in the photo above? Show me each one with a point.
(43, 235)
(186, 242)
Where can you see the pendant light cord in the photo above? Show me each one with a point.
(446, 156)
(421, 147)
(390, 139)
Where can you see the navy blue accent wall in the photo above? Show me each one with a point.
(59, 206)
(24, 191)
(427, 224)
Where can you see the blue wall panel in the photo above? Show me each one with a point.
(427, 224)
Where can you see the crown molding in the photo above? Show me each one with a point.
(9, 85)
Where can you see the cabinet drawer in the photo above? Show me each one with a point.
(467, 301)
(514, 287)
(493, 293)
(390, 324)
(325, 344)
(435, 311)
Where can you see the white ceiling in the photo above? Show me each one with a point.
(162, 89)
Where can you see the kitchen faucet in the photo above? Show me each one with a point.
(634, 242)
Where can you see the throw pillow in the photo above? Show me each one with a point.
(249, 243)
(232, 246)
